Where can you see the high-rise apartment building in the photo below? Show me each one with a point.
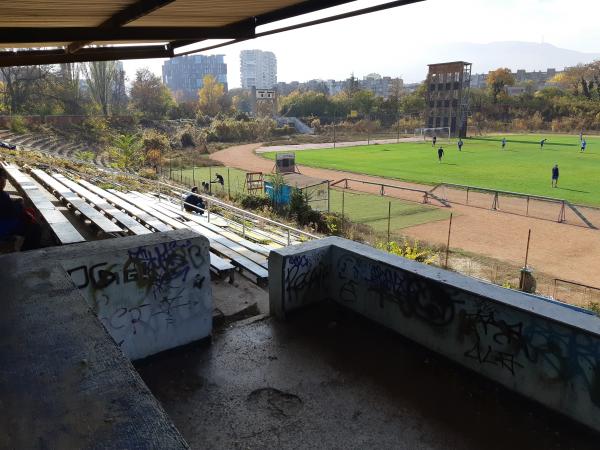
(184, 75)
(258, 69)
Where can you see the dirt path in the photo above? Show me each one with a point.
(564, 251)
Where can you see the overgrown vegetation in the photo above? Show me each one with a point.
(410, 250)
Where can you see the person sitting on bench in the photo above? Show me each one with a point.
(16, 220)
(194, 203)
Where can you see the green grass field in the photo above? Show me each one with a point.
(521, 167)
(373, 210)
(368, 209)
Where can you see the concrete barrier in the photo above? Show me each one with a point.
(64, 384)
(545, 350)
(151, 292)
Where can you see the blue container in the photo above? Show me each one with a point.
(280, 198)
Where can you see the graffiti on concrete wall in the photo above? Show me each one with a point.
(412, 295)
(150, 293)
(305, 278)
(490, 334)
(547, 359)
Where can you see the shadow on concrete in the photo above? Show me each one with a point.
(328, 378)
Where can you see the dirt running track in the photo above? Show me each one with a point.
(560, 250)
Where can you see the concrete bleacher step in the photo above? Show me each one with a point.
(19, 139)
(126, 206)
(58, 223)
(123, 219)
(68, 197)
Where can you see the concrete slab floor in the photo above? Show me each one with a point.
(238, 300)
(327, 378)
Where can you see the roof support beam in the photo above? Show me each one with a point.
(132, 12)
(85, 34)
(35, 57)
(355, 13)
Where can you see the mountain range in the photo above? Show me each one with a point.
(512, 54)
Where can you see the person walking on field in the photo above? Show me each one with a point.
(542, 142)
(460, 144)
(434, 140)
(503, 143)
(555, 176)
(583, 145)
(440, 153)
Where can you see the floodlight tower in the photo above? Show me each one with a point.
(448, 87)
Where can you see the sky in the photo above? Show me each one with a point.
(396, 42)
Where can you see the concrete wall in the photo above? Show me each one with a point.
(63, 120)
(64, 384)
(542, 349)
(151, 292)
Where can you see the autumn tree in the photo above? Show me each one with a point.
(497, 80)
(210, 96)
(582, 80)
(149, 95)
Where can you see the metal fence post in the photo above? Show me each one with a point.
(288, 236)
(244, 225)
(228, 184)
(208, 210)
(448, 242)
(389, 222)
(342, 225)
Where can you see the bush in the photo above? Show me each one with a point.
(17, 124)
(231, 130)
(84, 155)
(251, 201)
(408, 251)
(148, 173)
(96, 129)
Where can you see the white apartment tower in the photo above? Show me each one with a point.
(258, 69)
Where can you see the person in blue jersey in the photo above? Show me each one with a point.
(460, 144)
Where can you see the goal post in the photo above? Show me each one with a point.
(427, 134)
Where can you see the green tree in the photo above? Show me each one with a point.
(23, 87)
(149, 95)
(210, 96)
(126, 152)
(101, 77)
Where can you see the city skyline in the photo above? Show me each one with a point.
(397, 42)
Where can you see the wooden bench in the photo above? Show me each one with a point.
(130, 209)
(215, 232)
(246, 261)
(63, 230)
(144, 206)
(68, 197)
(119, 216)
(212, 225)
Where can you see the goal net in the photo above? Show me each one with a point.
(427, 134)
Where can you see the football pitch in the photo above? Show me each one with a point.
(521, 167)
